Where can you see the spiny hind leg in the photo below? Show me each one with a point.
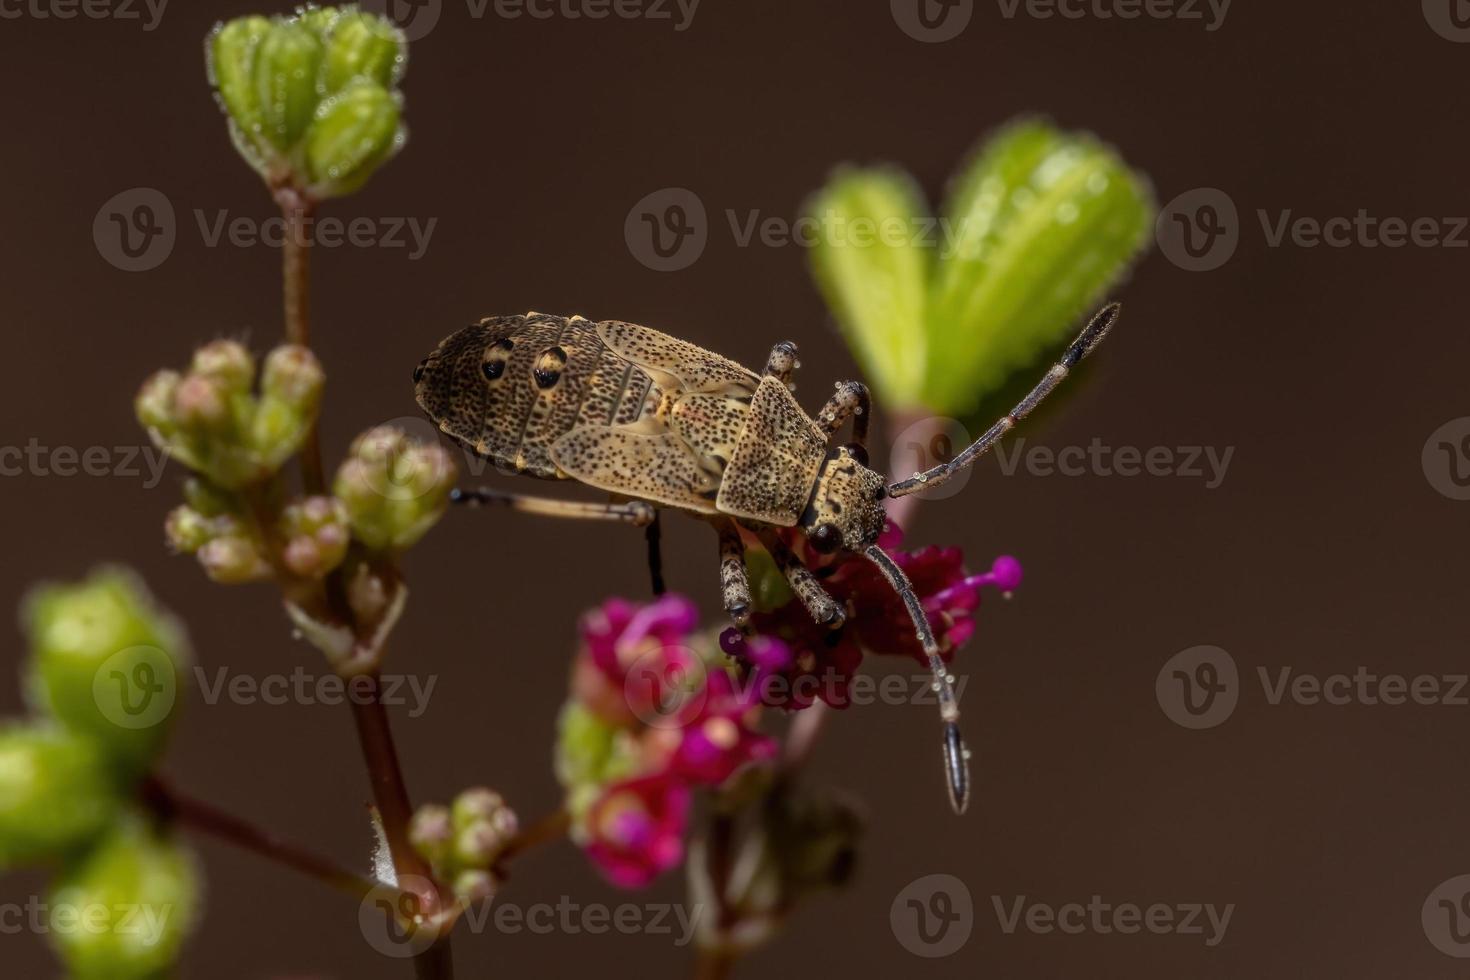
(734, 578)
(639, 513)
(782, 363)
(850, 401)
(823, 608)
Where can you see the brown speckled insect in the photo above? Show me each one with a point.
(659, 422)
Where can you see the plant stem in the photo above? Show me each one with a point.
(217, 823)
(298, 211)
(390, 793)
(550, 827)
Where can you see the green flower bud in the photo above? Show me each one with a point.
(107, 662)
(1043, 223)
(230, 57)
(234, 560)
(477, 845)
(874, 276)
(155, 402)
(355, 131)
(287, 61)
(290, 397)
(206, 499)
(316, 536)
(226, 362)
(187, 530)
(941, 314)
(431, 832)
(55, 793)
(394, 489)
(590, 753)
(321, 21)
(364, 46)
(135, 897)
(473, 887)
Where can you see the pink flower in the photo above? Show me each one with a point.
(722, 737)
(637, 829)
(636, 662)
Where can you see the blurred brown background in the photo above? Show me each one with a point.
(1326, 548)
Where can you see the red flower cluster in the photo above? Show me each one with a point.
(796, 662)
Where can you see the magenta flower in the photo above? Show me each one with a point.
(722, 737)
(795, 662)
(637, 829)
(638, 664)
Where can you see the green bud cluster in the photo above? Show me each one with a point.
(394, 488)
(312, 100)
(941, 311)
(104, 671)
(208, 418)
(462, 841)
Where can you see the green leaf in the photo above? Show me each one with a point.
(874, 274)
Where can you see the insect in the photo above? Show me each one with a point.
(660, 423)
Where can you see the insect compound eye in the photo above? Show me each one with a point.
(418, 372)
(857, 452)
(825, 539)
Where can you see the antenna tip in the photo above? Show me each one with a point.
(956, 767)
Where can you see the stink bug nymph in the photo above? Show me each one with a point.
(660, 423)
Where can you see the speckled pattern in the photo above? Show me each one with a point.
(627, 409)
(513, 420)
(775, 466)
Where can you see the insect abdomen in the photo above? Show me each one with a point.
(509, 387)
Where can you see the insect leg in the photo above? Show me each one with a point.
(653, 533)
(782, 363)
(850, 401)
(734, 579)
(636, 512)
(1091, 336)
(823, 607)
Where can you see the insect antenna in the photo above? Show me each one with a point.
(956, 756)
(1092, 335)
